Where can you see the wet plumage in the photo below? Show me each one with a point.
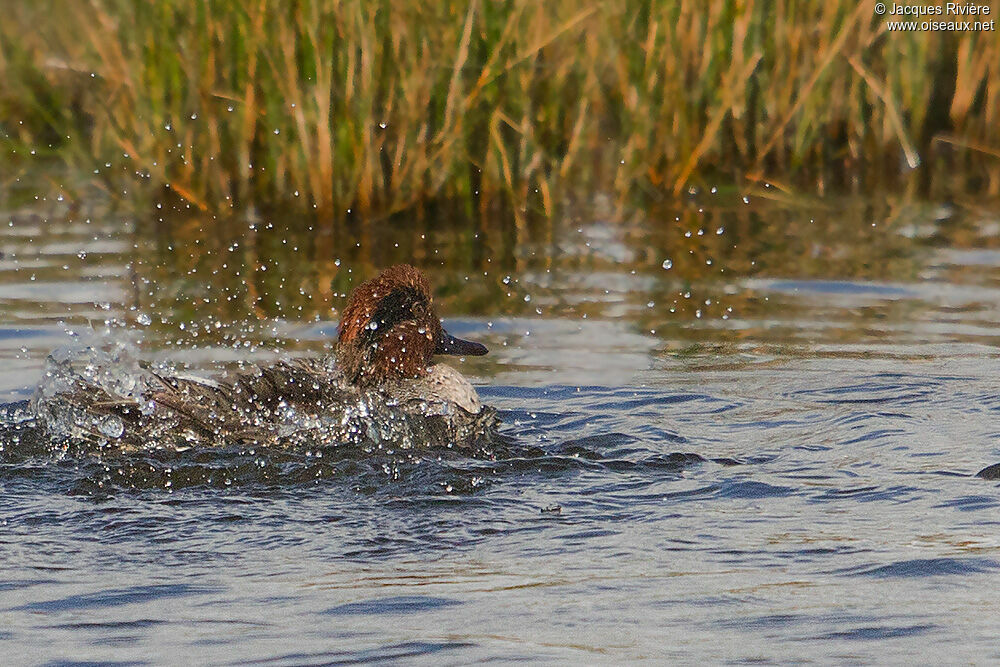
(380, 386)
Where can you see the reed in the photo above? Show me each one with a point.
(371, 108)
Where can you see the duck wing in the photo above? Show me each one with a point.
(243, 407)
(246, 406)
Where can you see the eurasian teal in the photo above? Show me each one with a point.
(380, 387)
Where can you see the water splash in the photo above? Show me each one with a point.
(101, 396)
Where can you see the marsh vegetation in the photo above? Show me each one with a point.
(365, 109)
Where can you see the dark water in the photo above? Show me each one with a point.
(764, 453)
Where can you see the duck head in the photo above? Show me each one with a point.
(389, 330)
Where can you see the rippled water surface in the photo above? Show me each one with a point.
(765, 452)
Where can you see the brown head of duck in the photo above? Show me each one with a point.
(390, 331)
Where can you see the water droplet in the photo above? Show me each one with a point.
(111, 426)
(667, 264)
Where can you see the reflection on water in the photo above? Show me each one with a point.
(759, 272)
(762, 452)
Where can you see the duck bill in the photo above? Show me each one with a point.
(448, 344)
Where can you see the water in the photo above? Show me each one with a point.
(768, 457)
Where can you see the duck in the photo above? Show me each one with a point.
(380, 387)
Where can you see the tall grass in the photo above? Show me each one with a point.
(369, 108)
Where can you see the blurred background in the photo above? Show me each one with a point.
(482, 136)
(495, 110)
